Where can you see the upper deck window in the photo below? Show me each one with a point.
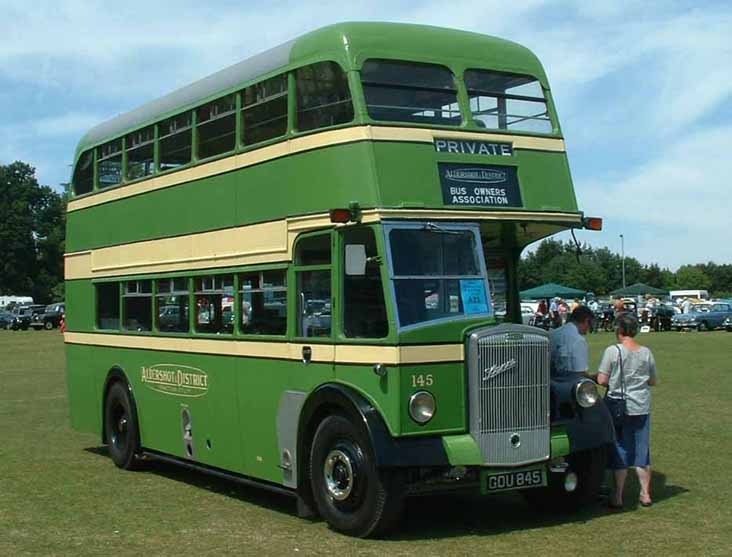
(175, 143)
(264, 110)
(504, 101)
(109, 163)
(323, 96)
(140, 153)
(84, 173)
(216, 127)
(410, 92)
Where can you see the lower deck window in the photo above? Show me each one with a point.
(172, 306)
(263, 303)
(108, 305)
(138, 305)
(215, 304)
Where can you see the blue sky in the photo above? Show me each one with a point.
(643, 90)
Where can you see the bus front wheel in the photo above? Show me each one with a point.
(351, 493)
(120, 425)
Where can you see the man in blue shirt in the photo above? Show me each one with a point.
(569, 350)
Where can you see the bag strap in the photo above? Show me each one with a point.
(620, 368)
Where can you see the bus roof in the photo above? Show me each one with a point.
(350, 44)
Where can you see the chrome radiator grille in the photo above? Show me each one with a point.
(508, 380)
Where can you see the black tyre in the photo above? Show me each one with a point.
(48, 325)
(702, 327)
(120, 426)
(589, 466)
(353, 496)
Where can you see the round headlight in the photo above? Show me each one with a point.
(422, 407)
(586, 394)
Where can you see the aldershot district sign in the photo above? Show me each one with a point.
(479, 185)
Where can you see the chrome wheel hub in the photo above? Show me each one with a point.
(338, 473)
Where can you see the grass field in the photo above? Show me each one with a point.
(61, 494)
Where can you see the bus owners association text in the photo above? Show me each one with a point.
(479, 196)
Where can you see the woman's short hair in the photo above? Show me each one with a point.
(626, 324)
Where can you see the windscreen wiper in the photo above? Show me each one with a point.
(432, 227)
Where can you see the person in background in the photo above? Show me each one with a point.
(554, 313)
(638, 369)
(542, 310)
(563, 311)
(619, 306)
(569, 351)
(686, 305)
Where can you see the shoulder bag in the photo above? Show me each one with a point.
(617, 406)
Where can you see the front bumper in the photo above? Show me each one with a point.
(462, 450)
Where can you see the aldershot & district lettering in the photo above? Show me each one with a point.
(174, 377)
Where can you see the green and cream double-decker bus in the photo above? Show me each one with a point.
(300, 273)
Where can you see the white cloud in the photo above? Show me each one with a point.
(677, 205)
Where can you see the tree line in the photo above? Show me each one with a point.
(599, 270)
(32, 234)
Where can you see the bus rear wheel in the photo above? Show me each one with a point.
(120, 425)
(353, 496)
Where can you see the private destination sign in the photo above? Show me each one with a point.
(479, 185)
(465, 147)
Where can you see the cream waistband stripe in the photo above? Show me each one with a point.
(269, 242)
(303, 144)
(342, 354)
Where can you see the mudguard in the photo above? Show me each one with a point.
(591, 428)
(587, 428)
(388, 451)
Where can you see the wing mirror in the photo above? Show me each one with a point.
(355, 260)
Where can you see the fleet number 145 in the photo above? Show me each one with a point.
(422, 380)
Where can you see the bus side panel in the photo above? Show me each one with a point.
(260, 385)
(84, 398)
(80, 310)
(382, 392)
(167, 385)
(310, 182)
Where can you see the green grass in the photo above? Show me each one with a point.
(60, 493)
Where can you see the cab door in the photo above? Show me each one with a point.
(314, 303)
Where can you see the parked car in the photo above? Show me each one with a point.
(703, 317)
(50, 318)
(22, 317)
(527, 314)
(6, 318)
(728, 324)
